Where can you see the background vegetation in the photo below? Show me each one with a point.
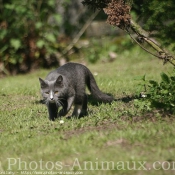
(34, 33)
(157, 18)
(27, 34)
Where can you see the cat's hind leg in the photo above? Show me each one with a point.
(80, 109)
(84, 107)
(77, 110)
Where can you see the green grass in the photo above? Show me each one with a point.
(112, 139)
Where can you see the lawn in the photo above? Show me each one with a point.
(114, 138)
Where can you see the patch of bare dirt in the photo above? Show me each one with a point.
(109, 126)
(102, 127)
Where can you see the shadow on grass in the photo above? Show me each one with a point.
(127, 99)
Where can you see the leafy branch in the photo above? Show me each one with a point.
(118, 12)
(144, 36)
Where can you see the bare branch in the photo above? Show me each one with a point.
(162, 53)
(77, 37)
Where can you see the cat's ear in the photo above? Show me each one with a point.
(43, 84)
(59, 80)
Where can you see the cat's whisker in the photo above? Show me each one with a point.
(58, 103)
(45, 101)
(61, 103)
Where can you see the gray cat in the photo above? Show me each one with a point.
(66, 86)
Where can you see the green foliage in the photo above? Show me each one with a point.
(160, 95)
(101, 49)
(29, 30)
(158, 18)
(93, 54)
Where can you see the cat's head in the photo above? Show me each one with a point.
(51, 90)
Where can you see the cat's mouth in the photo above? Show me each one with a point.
(51, 101)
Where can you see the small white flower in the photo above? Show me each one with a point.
(143, 95)
(61, 121)
(95, 73)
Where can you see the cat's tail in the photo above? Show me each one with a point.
(95, 91)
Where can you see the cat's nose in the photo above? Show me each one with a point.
(52, 100)
(51, 96)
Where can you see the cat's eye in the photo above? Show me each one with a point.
(56, 92)
(46, 92)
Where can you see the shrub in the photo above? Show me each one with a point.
(28, 32)
(160, 95)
